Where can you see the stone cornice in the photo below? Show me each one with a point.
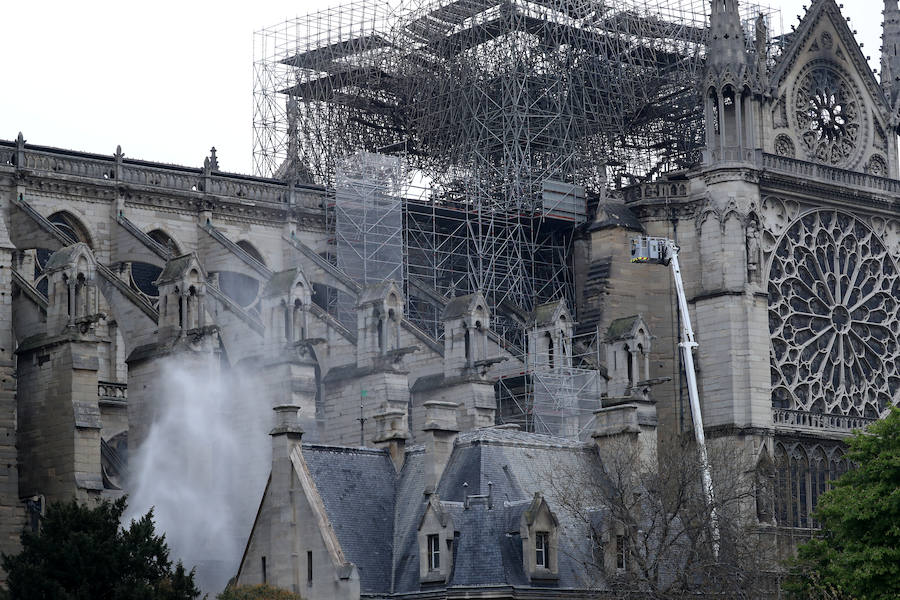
(825, 194)
(729, 173)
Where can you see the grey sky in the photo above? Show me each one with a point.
(169, 79)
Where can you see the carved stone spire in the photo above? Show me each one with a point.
(727, 56)
(730, 104)
(890, 52)
(761, 47)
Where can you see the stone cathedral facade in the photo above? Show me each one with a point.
(790, 244)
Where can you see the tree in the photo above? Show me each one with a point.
(256, 592)
(651, 527)
(858, 552)
(82, 553)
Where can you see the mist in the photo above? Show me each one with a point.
(203, 467)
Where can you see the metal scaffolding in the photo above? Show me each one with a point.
(496, 94)
(515, 116)
(555, 399)
(368, 212)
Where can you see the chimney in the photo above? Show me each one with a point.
(391, 432)
(286, 434)
(440, 430)
(632, 421)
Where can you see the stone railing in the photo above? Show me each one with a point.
(656, 190)
(245, 189)
(826, 174)
(800, 419)
(113, 393)
(768, 162)
(733, 155)
(7, 157)
(68, 165)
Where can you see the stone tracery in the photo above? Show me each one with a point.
(833, 317)
(828, 113)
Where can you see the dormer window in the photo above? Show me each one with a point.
(434, 552)
(542, 549)
(435, 532)
(539, 531)
(621, 553)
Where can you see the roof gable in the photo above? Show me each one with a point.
(283, 282)
(625, 328)
(549, 312)
(537, 507)
(374, 293)
(70, 255)
(176, 268)
(846, 48)
(461, 306)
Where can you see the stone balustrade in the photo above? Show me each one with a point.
(826, 174)
(656, 190)
(245, 189)
(799, 419)
(112, 393)
(802, 169)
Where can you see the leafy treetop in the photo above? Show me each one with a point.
(257, 592)
(858, 554)
(81, 553)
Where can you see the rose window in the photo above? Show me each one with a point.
(834, 299)
(825, 118)
(827, 112)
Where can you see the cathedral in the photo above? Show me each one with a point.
(421, 377)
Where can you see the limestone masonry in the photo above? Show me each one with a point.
(412, 343)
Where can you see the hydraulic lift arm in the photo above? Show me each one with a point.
(665, 251)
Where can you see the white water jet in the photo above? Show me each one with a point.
(203, 467)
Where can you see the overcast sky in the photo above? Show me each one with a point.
(171, 79)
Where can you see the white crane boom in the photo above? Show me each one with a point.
(665, 251)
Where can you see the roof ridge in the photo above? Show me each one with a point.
(344, 449)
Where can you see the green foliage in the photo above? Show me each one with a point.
(256, 592)
(81, 553)
(858, 554)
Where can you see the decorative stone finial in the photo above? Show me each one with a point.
(213, 160)
(890, 55)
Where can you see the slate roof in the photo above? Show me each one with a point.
(427, 382)
(410, 507)
(376, 513)
(489, 551)
(614, 214)
(518, 464)
(358, 487)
